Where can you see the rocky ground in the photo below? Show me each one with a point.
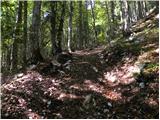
(117, 82)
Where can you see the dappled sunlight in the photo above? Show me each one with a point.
(64, 96)
(113, 95)
(88, 85)
(149, 56)
(151, 102)
(123, 74)
(93, 86)
(71, 62)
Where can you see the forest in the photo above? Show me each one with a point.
(87, 59)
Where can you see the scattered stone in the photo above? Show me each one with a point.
(20, 75)
(141, 85)
(109, 104)
(105, 110)
(95, 69)
(49, 103)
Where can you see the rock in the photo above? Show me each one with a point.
(105, 110)
(141, 85)
(32, 67)
(50, 69)
(63, 57)
(109, 104)
(20, 75)
(95, 69)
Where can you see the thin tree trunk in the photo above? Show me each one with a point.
(145, 6)
(25, 33)
(126, 25)
(112, 10)
(8, 62)
(60, 29)
(17, 38)
(53, 27)
(80, 25)
(94, 26)
(86, 27)
(70, 26)
(140, 14)
(108, 38)
(35, 33)
(129, 14)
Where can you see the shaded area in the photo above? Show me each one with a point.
(120, 82)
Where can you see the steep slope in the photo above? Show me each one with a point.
(118, 82)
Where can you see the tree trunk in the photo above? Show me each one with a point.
(53, 27)
(94, 26)
(126, 31)
(80, 25)
(108, 38)
(35, 33)
(86, 26)
(129, 14)
(70, 26)
(17, 37)
(140, 14)
(112, 11)
(145, 6)
(8, 62)
(144, 9)
(25, 33)
(60, 30)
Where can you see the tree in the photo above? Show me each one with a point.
(80, 26)
(25, 33)
(86, 24)
(53, 27)
(140, 11)
(112, 10)
(108, 38)
(94, 25)
(125, 15)
(70, 26)
(60, 29)
(17, 37)
(35, 33)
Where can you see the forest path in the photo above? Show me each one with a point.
(93, 88)
(100, 83)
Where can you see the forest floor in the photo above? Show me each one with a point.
(117, 82)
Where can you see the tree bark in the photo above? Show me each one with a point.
(112, 10)
(25, 37)
(108, 38)
(86, 26)
(126, 31)
(140, 10)
(17, 37)
(94, 26)
(60, 29)
(70, 26)
(35, 33)
(80, 25)
(53, 27)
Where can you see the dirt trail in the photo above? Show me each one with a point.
(99, 83)
(90, 90)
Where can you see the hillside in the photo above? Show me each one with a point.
(105, 82)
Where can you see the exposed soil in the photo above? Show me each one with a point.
(100, 83)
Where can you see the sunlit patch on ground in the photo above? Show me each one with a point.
(151, 102)
(112, 95)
